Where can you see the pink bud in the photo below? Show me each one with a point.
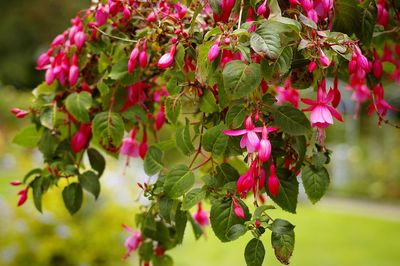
(352, 66)
(23, 196)
(160, 118)
(73, 75)
(362, 62)
(81, 138)
(151, 17)
(58, 40)
(213, 52)
(126, 13)
(19, 113)
(143, 60)
(133, 57)
(167, 59)
(273, 181)
(324, 60)
(237, 209)
(49, 76)
(15, 183)
(377, 68)
(43, 60)
(313, 15)
(201, 216)
(101, 17)
(311, 66)
(80, 39)
(264, 10)
(143, 146)
(264, 152)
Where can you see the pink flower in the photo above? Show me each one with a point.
(133, 57)
(49, 76)
(226, 8)
(44, 60)
(264, 151)
(377, 67)
(73, 75)
(160, 118)
(23, 196)
(387, 54)
(322, 110)
(143, 145)
(287, 94)
(214, 51)
(130, 146)
(249, 180)
(143, 60)
(264, 10)
(167, 59)
(58, 40)
(250, 139)
(273, 181)
(381, 106)
(151, 17)
(81, 138)
(323, 59)
(101, 16)
(383, 15)
(80, 39)
(237, 209)
(133, 242)
(201, 216)
(15, 183)
(311, 66)
(19, 113)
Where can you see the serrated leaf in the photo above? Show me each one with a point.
(300, 146)
(235, 116)
(315, 182)
(183, 139)
(222, 218)
(28, 137)
(290, 120)
(236, 231)
(241, 79)
(90, 182)
(266, 40)
(78, 105)
(280, 66)
(208, 104)
(173, 109)
(178, 181)
(254, 253)
(73, 196)
(288, 190)
(97, 161)
(108, 129)
(193, 197)
(215, 141)
(226, 173)
(153, 161)
(282, 240)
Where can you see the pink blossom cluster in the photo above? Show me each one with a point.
(316, 10)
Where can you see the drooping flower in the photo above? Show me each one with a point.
(160, 118)
(133, 242)
(167, 59)
(101, 16)
(250, 140)
(312, 66)
(133, 58)
(377, 67)
(143, 59)
(264, 151)
(264, 9)
(214, 51)
(383, 15)
(379, 105)
(130, 146)
(23, 196)
(323, 59)
(201, 216)
(237, 209)
(273, 181)
(143, 145)
(81, 138)
(73, 72)
(287, 94)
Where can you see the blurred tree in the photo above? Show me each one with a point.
(27, 27)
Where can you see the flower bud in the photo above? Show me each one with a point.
(237, 209)
(323, 59)
(214, 51)
(160, 118)
(167, 59)
(311, 66)
(81, 138)
(151, 17)
(79, 39)
(23, 196)
(132, 58)
(273, 181)
(143, 60)
(19, 113)
(73, 75)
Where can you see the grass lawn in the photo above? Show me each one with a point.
(323, 237)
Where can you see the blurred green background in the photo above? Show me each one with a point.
(357, 224)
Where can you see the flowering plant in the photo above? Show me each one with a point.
(220, 81)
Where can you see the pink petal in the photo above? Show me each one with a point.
(235, 132)
(335, 113)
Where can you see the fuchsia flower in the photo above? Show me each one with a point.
(201, 216)
(101, 15)
(322, 112)
(254, 177)
(19, 113)
(23, 196)
(130, 146)
(133, 58)
(383, 15)
(387, 54)
(151, 17)
(312, 66)
(73, 71)
(396, 73)
(250, 139)
(16, 183)
(160, 118)
(287, 94)
(167, 59)
(81, 138)
(264, 9)
(80, 39)
(237, 209)
(226, 9)
(133, 242)
(143, 60)
(323, 59)
(377, 67)
(381, 106)
(264, 152)
(214, 51)
(273, 181)
(143, 145)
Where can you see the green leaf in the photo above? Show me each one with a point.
(78, 105)
(183, 140)
(172, 86)
(120, 69)
(241, 79)
(44, 89)
(347, 16)
(254, 253)
(236, 115)
(146, 251)
(280, 66)
(90, 182)
(163, 260)
(153, 161)
(308, 22)
(368, 19)
(282, 239)
(165, 205)
(193, 197)
(173, 109)
(39, 186)
(291, 120)
(236, 231)
(103, 88)
(97, 161)
(178, 181)
(288, 190)
(180, 223)
(226, 173)
(179, 56)
(48, 117)
(108, 129)
(73, 196)
(28, 137)
(258, 213)
(222, 218)
(48, 144)
(208, 104)
(300, 146)
(215, 141)
(266, 41)
(198, 232)
(315, 182)
(202, 68)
